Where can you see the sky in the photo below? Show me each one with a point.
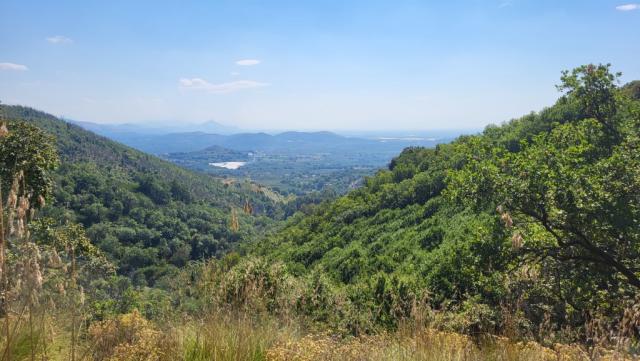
(333, 64)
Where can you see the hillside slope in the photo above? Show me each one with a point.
(540, 215)
(148, 214)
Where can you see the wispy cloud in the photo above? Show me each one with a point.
(505, 3)
(234, 86)
(13, 67)
(628, 7)
(248, 62)
(59, 39)
(234, 73)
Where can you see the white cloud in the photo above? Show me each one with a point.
(59, 39)
(248, 62)
(13, 67)
(201, 84)
(234, 73)
(628, 7)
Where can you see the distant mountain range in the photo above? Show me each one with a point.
(164, 141)
(156, 128)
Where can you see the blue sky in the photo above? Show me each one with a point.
(341, 65)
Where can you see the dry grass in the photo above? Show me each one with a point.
(232, 337)
(237, 337)
(428, 345)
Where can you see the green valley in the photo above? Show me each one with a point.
(519, 243)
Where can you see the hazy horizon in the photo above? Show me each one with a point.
(171, 124)
(335, 66)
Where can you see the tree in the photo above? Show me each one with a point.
(572, 194)
(593, 87)
(153, 188)
(27, 149)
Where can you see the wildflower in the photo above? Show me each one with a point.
(61, 289)
(81, 297)
(19, 229)
(506, 218)
(33, 273)
(23, 207)
(517, 240)
(12, 198)
(55, 260)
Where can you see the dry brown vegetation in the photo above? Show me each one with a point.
(240, 337)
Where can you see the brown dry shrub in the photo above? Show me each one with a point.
(427, 345)
(128, 337)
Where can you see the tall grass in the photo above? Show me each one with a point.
(237, 337)
(221, 336)
(255, 311)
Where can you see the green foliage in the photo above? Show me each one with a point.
(632, 89)
(26, 149)
(593, 87)
(147, 215)
(571, 193)
(564, 238)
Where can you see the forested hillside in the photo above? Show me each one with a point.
(535, 221)
(147, 214)
(520, 243)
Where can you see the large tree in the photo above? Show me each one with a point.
(30, 153)
(572, 194)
